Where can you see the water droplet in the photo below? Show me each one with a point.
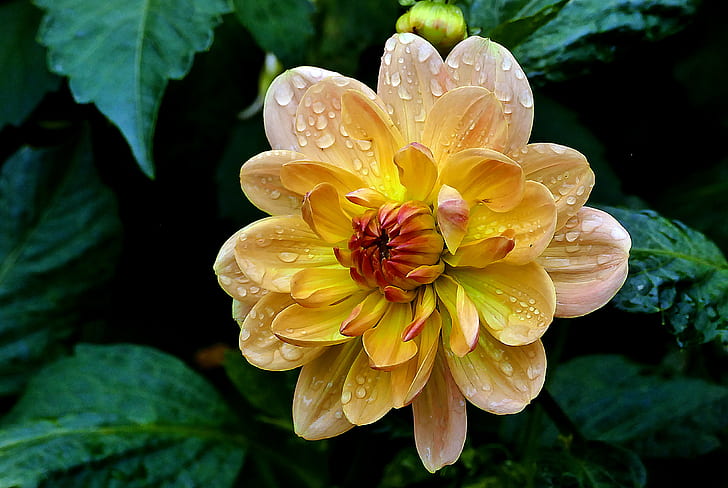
(387, 59)
(345, 397)
(519, 74)
(525, 98)
(318, 107)
(283, 94)
(507, 63)
(571, 200)
(275, 194)
(453, 62)
(396, 79)
(325, 140)
(423, 54)
(507, 368)
(290, 352)
(299, 82)
(435, 87)
(244, 334)
(361, 392)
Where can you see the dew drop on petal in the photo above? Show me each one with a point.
(525, 98)
(244, 335)
(345, 397)
(325, 140)
(361, 392)
(283, 94)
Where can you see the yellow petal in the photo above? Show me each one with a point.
(466, 117)
(281, 102)
(531, 224)
(424, 307)
(562, 170)
(482, 62)
(417, 170)
(384, 343)
(231, 279)
(464, 315)
(258, 343)
(270, 251)
(323, 213)
(440, 419)
(515, 303)
(314, 326)
(453, 213)
(367, 197)
(587, 261)
(365, 315)
(497, 378)
(411, 77)
(409, 378)
(484, 175)
(367, 393)
(302, 176)
(317, 409)
(319, 287)
(261, 182)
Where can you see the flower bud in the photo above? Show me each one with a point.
(442, 24)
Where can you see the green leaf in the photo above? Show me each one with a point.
(516, 30)
(25, 79)
(677, 271)
(119, 415)
(283, 27)
(613, 400)
(59, 241)
(120, 54)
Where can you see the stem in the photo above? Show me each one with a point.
(563, 423)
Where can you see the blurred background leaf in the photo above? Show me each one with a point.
(59, 242)
(120, 55)
(120, 415)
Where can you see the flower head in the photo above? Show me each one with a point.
(418, 246)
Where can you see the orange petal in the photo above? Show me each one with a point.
(484, 175)
(482, 62)
(319, 287)
(231, 279)
(587, 261)
(409, 378)
(465, 320)
(367, 197)
(453, 213)
(260, 346)
(270, 251)
(424, 307)
(515, 303)
(562, 170)
(466, 117)
(365, 315)
(367, 392)
(426, 274)
(261, 182)
(497, 378)
(532, 223)
(302, 176)
(281, 102)
(314, 326)
(411, 77)
(322, 212)
(384, 343)
(481, 253)
(317, 409)
(440, 419)
(417, 170)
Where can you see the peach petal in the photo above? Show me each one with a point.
(270, 251)
(281, 102)
(587, 261)
(384, 343)
(482, 62)
(417, 170)
(426, 274)
(409, 378)
(303, 326)
(317, 409)
(453, 213)
(515, 303)
(260, 346)
(564, 171)
(365, 315)
(440, 419)
(484, 175)
(481, 253)
(319, 287)
(411, 77)
(463, 313)
(302, 176)
(322, 212)
(261, 182)
(232, 279)
(466, 117)
(497, 378)
(367, 392)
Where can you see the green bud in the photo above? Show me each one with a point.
(442, 24)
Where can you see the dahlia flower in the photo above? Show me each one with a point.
(418, 246)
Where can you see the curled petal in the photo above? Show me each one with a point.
(465, 320)
(453, 213)
(367, 392)
(516, 303)
(497, 378)
(482, 62)
(270, 251)
(260, 346)
(587, 261)
(411, 77)
(319, 287)
(440, 419)
(317, 409)
(484, 175)
(261, 182)
(300, 177)
(564, 171)
(384, 343)
(531, 223)
(424, 307)
(417, 170)
(367, 197)
(234, 281)
(409, 379)
(314, 326)
(281, 102)
(481, 253)
(323, 213)
(466, 117)
(365, 315)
